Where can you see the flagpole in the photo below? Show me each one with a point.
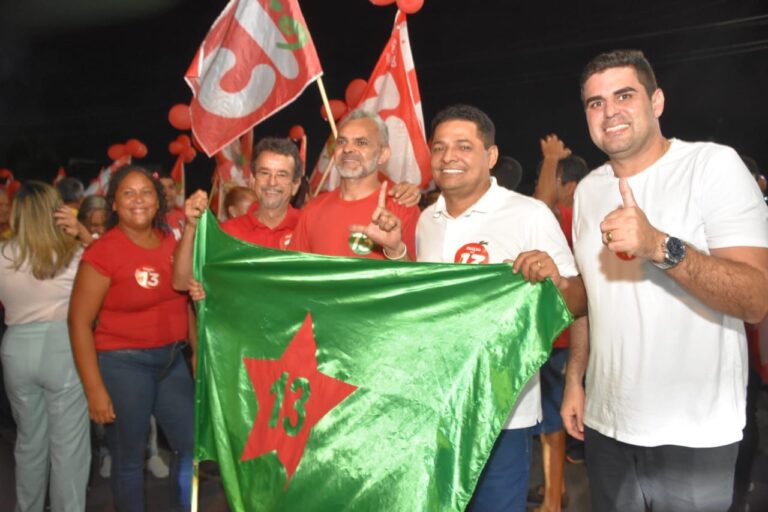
(327, 106)
(335, 133)
(326, 172)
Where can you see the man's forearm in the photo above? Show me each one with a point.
(733, 280)
(572, 289)
(578, 352)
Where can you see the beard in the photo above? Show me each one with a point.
(362, 170)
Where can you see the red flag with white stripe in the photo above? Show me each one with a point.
(100, 183)
(257, 58)
(393, 93)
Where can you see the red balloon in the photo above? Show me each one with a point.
(184, 140)
(296, 132)
(338, 109)
(410, 6)
(116, 151)
(175, 147)
(179, 117)
(12, 188)
(382, 2)
(188, 154)
(354, 92)
(136, 148)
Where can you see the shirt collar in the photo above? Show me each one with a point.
(485, 204)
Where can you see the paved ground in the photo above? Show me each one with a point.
(212, 496)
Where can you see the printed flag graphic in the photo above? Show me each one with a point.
(393, 92)
(257, 58)
(351, 384)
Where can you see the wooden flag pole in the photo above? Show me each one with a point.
(334, 131)
(326, 172)
(327, 106)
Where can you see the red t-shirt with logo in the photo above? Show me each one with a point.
(141, 309)
(249, 229)
(323, 226)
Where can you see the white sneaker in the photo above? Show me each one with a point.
(106, 466)
(157, 467)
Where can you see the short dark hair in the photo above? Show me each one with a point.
(572, 168)
(620, 59)
(71, 189)
(751, 164)
(159, 221)
(485, 127)
(508, 172)
(280, 146)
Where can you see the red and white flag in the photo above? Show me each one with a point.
(393, 93)
(100, 183)
(60, 175)
(257, 58)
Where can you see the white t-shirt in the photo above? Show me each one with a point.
(663, 367)
(28, 299)
(507, 223)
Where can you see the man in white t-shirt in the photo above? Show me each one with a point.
(671, 239)
(477, 221)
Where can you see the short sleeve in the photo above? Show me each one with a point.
(734, 211)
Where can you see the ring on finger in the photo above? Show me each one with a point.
(609, 236)
(538, 264)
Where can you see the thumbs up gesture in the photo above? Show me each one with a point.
(627, 230)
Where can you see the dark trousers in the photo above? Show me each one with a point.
(629, 478)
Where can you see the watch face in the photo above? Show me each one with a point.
(675, 250)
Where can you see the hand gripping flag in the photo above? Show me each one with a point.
(352, 384)
(257, 58)
(393, 92)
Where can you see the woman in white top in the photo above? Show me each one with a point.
(37, 267)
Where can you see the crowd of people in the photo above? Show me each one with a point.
(661, 255)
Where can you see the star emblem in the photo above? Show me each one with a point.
(292, 396)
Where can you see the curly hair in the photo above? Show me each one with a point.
(158, 222)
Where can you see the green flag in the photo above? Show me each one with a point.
(328, 384)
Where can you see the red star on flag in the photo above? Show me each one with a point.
(292, 396)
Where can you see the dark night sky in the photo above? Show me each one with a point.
(79, 75)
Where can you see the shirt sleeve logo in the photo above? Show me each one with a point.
(147, 277)
(474, 253)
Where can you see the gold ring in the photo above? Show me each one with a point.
(609, 237)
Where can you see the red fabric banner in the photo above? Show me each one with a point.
(257, 58)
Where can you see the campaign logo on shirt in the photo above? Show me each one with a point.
(285, 242)
(473, 253)
(147, 277)
(360, 243)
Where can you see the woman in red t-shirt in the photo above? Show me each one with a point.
(131, 364)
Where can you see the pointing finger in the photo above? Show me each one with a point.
(626, 193)
(383, 195)
(382, 204)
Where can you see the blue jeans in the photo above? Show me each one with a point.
(142, 382)
(503, 484)
(552, 386)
